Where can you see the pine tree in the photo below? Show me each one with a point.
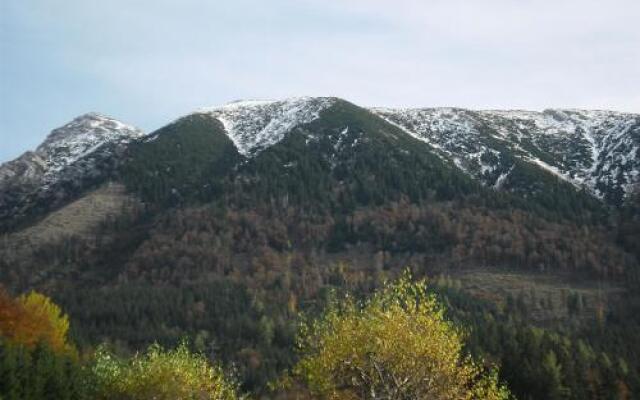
(553, 377)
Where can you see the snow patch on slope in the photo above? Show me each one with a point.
(254, 125)
(595, 149)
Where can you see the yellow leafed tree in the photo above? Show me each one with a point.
(397, 345)
(162, 375)
(33, 318)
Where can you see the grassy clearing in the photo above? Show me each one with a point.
(548, 298)
(78, 218)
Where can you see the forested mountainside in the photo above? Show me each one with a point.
(228, 222)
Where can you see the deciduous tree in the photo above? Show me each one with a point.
(396, 345)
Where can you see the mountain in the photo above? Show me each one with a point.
(464, 188)
(225, 223)
(71, 158)
(597, 150)
(520, 152)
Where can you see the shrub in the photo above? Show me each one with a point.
(160, 374)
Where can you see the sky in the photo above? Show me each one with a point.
(147, 62)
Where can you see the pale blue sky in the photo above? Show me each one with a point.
(147, 62)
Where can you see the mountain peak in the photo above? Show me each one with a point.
(91, 129)
(65, 145)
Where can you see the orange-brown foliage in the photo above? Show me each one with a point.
(31, 319)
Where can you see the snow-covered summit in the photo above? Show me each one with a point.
(595, 149)
(254, 125)
(80, 137)
(64, 147)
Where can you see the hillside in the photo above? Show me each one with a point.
(225, 223)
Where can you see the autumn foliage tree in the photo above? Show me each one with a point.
(396, 345)
(36, 359)
(32, 319)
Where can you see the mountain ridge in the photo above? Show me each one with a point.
(593, 150)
